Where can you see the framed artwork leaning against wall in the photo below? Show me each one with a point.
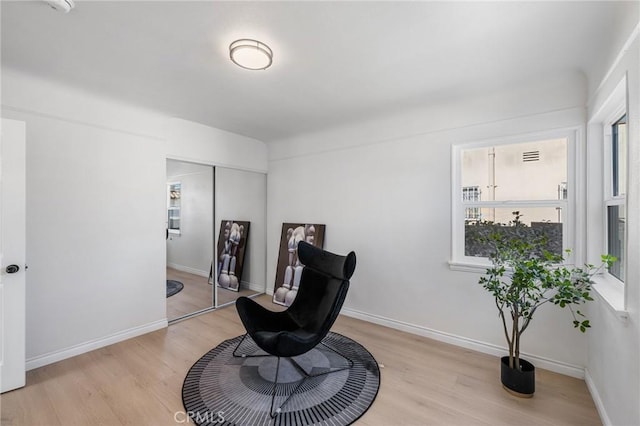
(232, 244)
(289, 268)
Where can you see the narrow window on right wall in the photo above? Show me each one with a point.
(615, 195)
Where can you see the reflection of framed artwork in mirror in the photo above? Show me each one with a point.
(289, 268)
(232, 244)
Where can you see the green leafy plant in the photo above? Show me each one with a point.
(525, 276)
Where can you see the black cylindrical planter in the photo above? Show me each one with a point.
(519, 383)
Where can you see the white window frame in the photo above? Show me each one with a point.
(609, 199)
(574, 137)
(600, 185)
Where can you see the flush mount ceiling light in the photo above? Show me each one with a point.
(250, 54)
(64, 6)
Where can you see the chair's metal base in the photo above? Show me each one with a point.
(273, 413)
(235, 351)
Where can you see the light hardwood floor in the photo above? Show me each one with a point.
(196, 294)
(423, 382)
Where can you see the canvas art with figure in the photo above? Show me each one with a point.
(289, 269)
(231, 252)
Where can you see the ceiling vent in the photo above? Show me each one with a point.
(530, 156)
(64, 6)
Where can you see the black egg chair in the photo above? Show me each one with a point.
(301, 327)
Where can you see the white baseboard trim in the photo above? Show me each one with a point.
(55, 356)
(597, 400)
(252, 286)
(188, 269)
(487, 348)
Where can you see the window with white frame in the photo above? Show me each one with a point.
(174, 205)
(524, 180)
(615, 192)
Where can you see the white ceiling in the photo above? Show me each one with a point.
(334, 62)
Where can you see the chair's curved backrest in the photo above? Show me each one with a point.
(323, 288)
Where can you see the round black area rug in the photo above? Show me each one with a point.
(174, 287)
(223, 389)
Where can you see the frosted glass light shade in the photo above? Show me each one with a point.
(250, 54)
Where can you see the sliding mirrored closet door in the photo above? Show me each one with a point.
(190, 239)
(216, 236)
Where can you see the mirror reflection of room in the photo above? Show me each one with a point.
(240, 234)
(190, 212)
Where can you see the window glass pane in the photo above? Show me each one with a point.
(619, 156)
(616, 239)
(531, 223)
(524, 171)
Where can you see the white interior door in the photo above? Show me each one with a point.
(12, 254)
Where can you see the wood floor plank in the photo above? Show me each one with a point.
(423, 382)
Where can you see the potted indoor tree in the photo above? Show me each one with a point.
(524, 276)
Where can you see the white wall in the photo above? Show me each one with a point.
(192, 249)
(96, 211)
(383, 188)
(613, 366)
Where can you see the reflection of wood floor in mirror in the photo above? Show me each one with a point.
(196, 294)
